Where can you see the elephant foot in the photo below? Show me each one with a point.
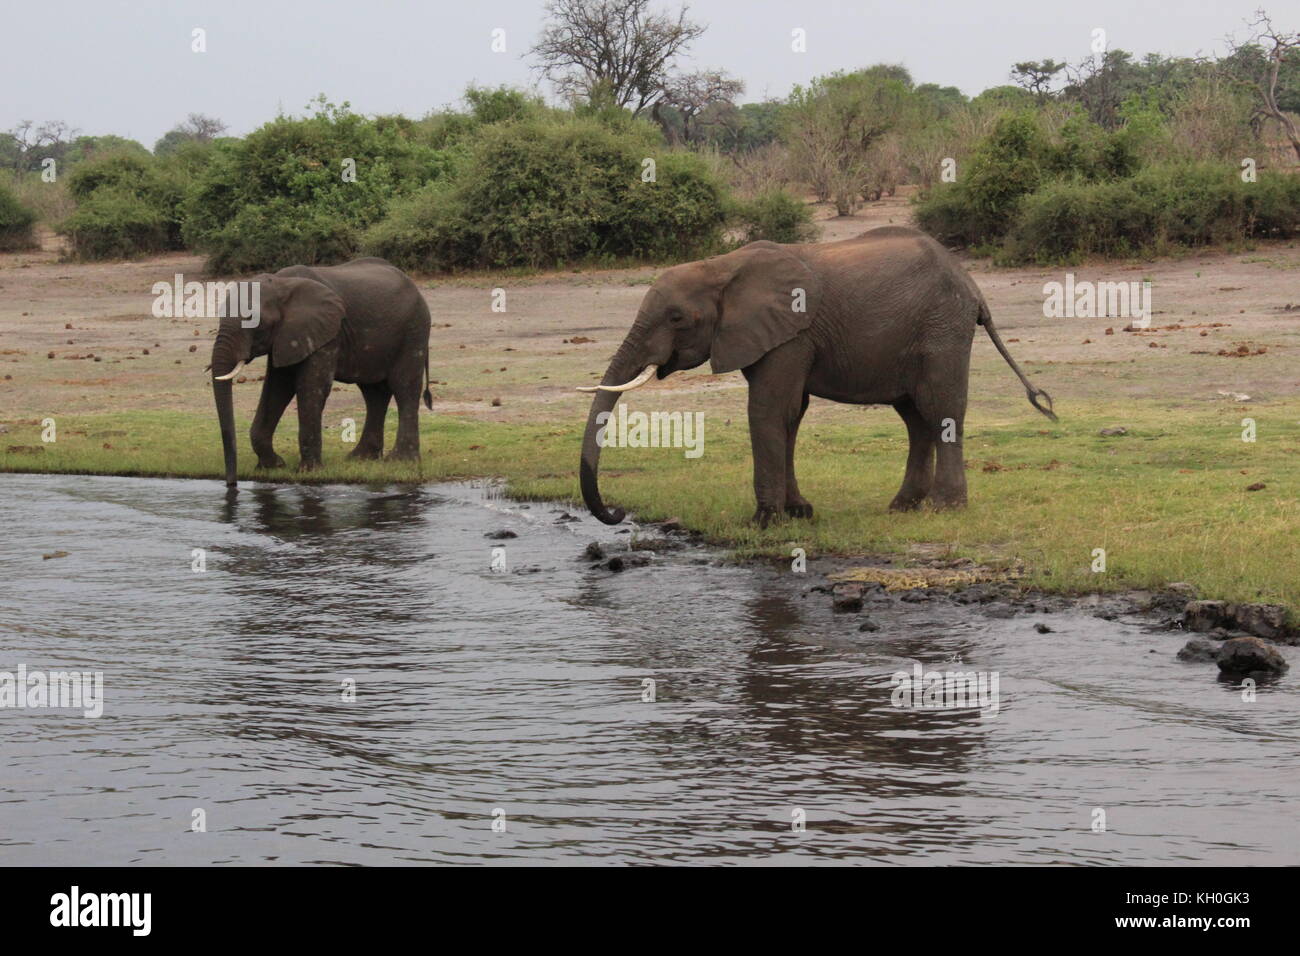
(908, 503)
(309, 465)
(270, 461)
(404, 454)
(947, 502)
(366, 453)
(799, 509)
(764, 515)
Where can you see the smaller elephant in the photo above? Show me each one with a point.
(364, 321)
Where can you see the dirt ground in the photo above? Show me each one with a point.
(80, 339)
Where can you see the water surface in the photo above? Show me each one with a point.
(520, 692)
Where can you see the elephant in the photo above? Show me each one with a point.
(364, 321)
(885, 318)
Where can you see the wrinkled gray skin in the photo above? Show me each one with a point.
(364, 322)
(889, 318)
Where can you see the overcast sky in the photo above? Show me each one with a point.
(126, 67)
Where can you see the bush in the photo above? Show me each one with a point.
(544, 190)
(774, 215)
(1166, 205)
(279, 197)
(116, 223)
(16, 223)
(1008, 165)
(126, 205)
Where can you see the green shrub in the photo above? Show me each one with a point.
(543, 191)
(774, 215)
(280, 197)
(115, 222)
(1166, 205)
(127, 204)
(16, 223)
(1005, 167)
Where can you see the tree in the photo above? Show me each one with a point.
(1263, 61)
(834, 125)
(1037, 77)
(690, 94)
(197, 128)
(25, 146)
(613, 52)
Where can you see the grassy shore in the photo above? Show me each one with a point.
(1168, 501)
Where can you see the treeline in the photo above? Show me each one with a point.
(1114, 155)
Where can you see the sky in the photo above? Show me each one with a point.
(126, 66)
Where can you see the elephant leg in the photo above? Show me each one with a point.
(371, 444)
(407, 446)
(796, 505)
(314, 381)
(942, 406)
(776, 403)
(919, 476)
(277, 392)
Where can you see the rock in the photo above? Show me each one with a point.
(1249, 655)
(54, 554)
(868, 625)
(566, 517)
(1116, 430)
(615, 564)
(1183, 588)
(916, 596)
(1257, 486)
(672, 526)
(594, 552)
(500, 535)
(1262, 620)
(1001, 611)
(1042, 628)
(846, 598)
(1199, 650)
(1206, 615)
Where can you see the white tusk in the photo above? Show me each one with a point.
(229, 375)
(635, 383)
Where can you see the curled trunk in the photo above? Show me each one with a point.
(627, 363)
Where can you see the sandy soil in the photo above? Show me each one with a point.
(109, 353)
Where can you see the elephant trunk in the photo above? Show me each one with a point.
(626, 364)
(223, 393)
(227, 356)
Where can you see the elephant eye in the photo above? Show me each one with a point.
(676, 318)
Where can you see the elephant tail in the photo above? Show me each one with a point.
(1034, 393)
(428, 395)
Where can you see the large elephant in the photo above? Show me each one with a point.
(364, 321)
(886, 318)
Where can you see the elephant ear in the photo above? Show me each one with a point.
(312, 315)
(769, 299)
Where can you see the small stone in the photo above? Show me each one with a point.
(615, 564)
(1042, 628)
(594, 552)
(1199, 650)
(1250, 655)
(1206, 615)
(1116, 430)
(846, 598)
(1257, 486)
(500, 535)
(869, 626)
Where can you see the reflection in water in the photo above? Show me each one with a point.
(229, 690)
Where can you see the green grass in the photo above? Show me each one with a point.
(1167, 501)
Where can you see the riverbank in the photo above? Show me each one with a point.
(1178, 496)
